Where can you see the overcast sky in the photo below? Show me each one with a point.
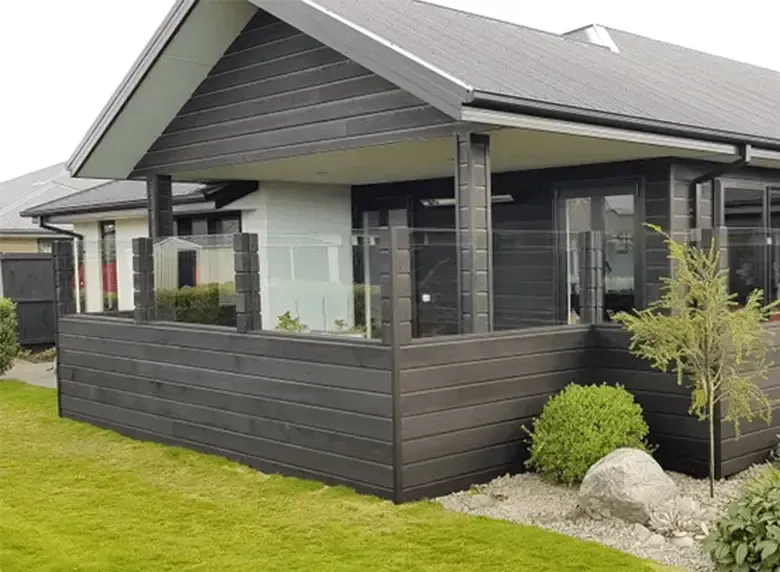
(62, 60)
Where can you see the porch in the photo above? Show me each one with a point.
(385, 403)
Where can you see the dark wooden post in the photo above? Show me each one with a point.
(591, 268)
(395, 278)
(143, 280)
(247, 269)
(474, 232)
(64, 275)
(159, 191)
(396, 285)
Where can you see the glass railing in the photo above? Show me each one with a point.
(194, 279)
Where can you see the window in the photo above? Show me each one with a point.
(611, 209)
(108, 265)
(44, 245)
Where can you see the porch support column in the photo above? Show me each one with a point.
(143, 280)
(159, 189)
(591, 269)
(247, 268)
(473, 220)
(64, 277)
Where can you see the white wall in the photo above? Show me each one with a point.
(305, 236)
(126, 231)
(92, 275)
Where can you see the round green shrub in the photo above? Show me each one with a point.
(747, 539)
(9, 347)
(581, 425)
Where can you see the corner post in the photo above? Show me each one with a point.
(591, 267)
(473, 221)
(396, 285)
(143, 280)
(64, 275)
(159, 192)
(247, 269)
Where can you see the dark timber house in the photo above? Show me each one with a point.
(452, 204)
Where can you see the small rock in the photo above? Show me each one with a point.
(683, 542)
(656, 540)
(700, 537)
(640, 532)
(475, 502)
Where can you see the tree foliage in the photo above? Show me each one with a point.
(698, 331)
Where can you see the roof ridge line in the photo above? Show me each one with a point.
(389, 44)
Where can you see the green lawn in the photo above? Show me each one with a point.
(73, 497)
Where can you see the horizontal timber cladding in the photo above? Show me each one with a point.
(682, 440)
(279, 93)
(299, 406)
(464, 401)
(756, 438)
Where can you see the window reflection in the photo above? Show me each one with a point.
(614, 216)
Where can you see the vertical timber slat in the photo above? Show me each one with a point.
(247, 269)
(143, 280)
(591, 245)
(64, 299)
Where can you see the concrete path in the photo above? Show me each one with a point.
(42, 374)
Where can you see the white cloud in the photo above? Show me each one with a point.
(62, 60)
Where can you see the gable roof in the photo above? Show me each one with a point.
(457, 62)
(113, 195)
(19, 194)
(647, 80)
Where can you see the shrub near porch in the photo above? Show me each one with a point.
(73, 497)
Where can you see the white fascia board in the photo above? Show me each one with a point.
(532, 123)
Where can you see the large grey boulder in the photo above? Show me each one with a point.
(626, 484)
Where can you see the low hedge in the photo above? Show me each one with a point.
(203, 304)
(9, 347)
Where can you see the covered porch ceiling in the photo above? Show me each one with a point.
(512, 149)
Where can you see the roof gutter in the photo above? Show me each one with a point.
(746, 157)
(496, 102)
(46, 226)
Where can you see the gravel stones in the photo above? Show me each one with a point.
(527, 499)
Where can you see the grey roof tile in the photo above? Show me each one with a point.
(647, 79)
(21, 193)
(109, 195)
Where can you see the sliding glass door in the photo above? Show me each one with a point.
(611, 209)
(751, 212)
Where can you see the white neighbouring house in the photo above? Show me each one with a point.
(306, 262)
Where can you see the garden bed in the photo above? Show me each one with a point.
(527, 499)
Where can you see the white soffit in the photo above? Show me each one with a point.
(200, 41)
(532, 123)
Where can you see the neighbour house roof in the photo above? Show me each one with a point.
(457, 62)
(113, 195)
(17, 195)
